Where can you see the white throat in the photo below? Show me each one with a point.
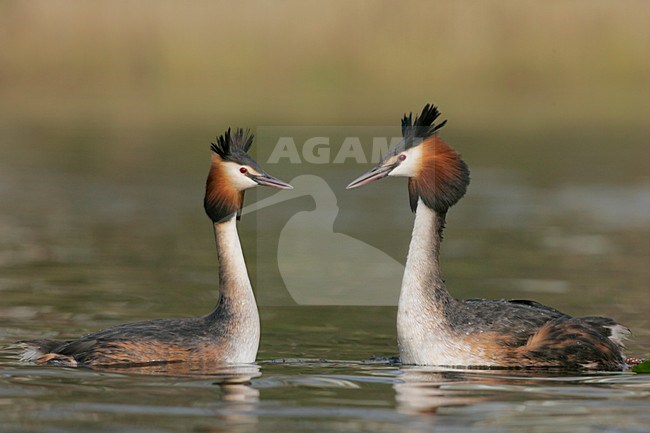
(236, 294)
(421, 327)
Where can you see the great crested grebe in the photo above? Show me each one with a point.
(231, 332)
(433, 328)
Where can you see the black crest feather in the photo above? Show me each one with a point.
(443, 177)
(230, 146)
(423, 126)
(220, 201)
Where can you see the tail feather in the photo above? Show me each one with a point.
(615, 331)
(33, 350)
(576, 343)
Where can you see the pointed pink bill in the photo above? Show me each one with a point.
(375, 173)
(273, 182)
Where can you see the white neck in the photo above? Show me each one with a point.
(236, 313)
(423, 298)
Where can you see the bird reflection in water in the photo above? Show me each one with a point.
(238, 399)
(423, 390)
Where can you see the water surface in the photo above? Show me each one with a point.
(86, 244)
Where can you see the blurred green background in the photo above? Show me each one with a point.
(152, 67)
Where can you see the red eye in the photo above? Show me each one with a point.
(401, 157)
(243, 170)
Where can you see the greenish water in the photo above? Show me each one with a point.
(91, 236)
(106, 113)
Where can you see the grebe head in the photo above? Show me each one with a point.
(233, 171)
(436, 172)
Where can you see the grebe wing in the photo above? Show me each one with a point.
(521, 319)
(535, 304)
(610, 328)
(517, 318)
(160, 330)
(503, 308)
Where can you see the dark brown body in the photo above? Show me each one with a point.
(205, 339)
(526, 334)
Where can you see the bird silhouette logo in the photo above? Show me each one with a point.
(346, 257)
